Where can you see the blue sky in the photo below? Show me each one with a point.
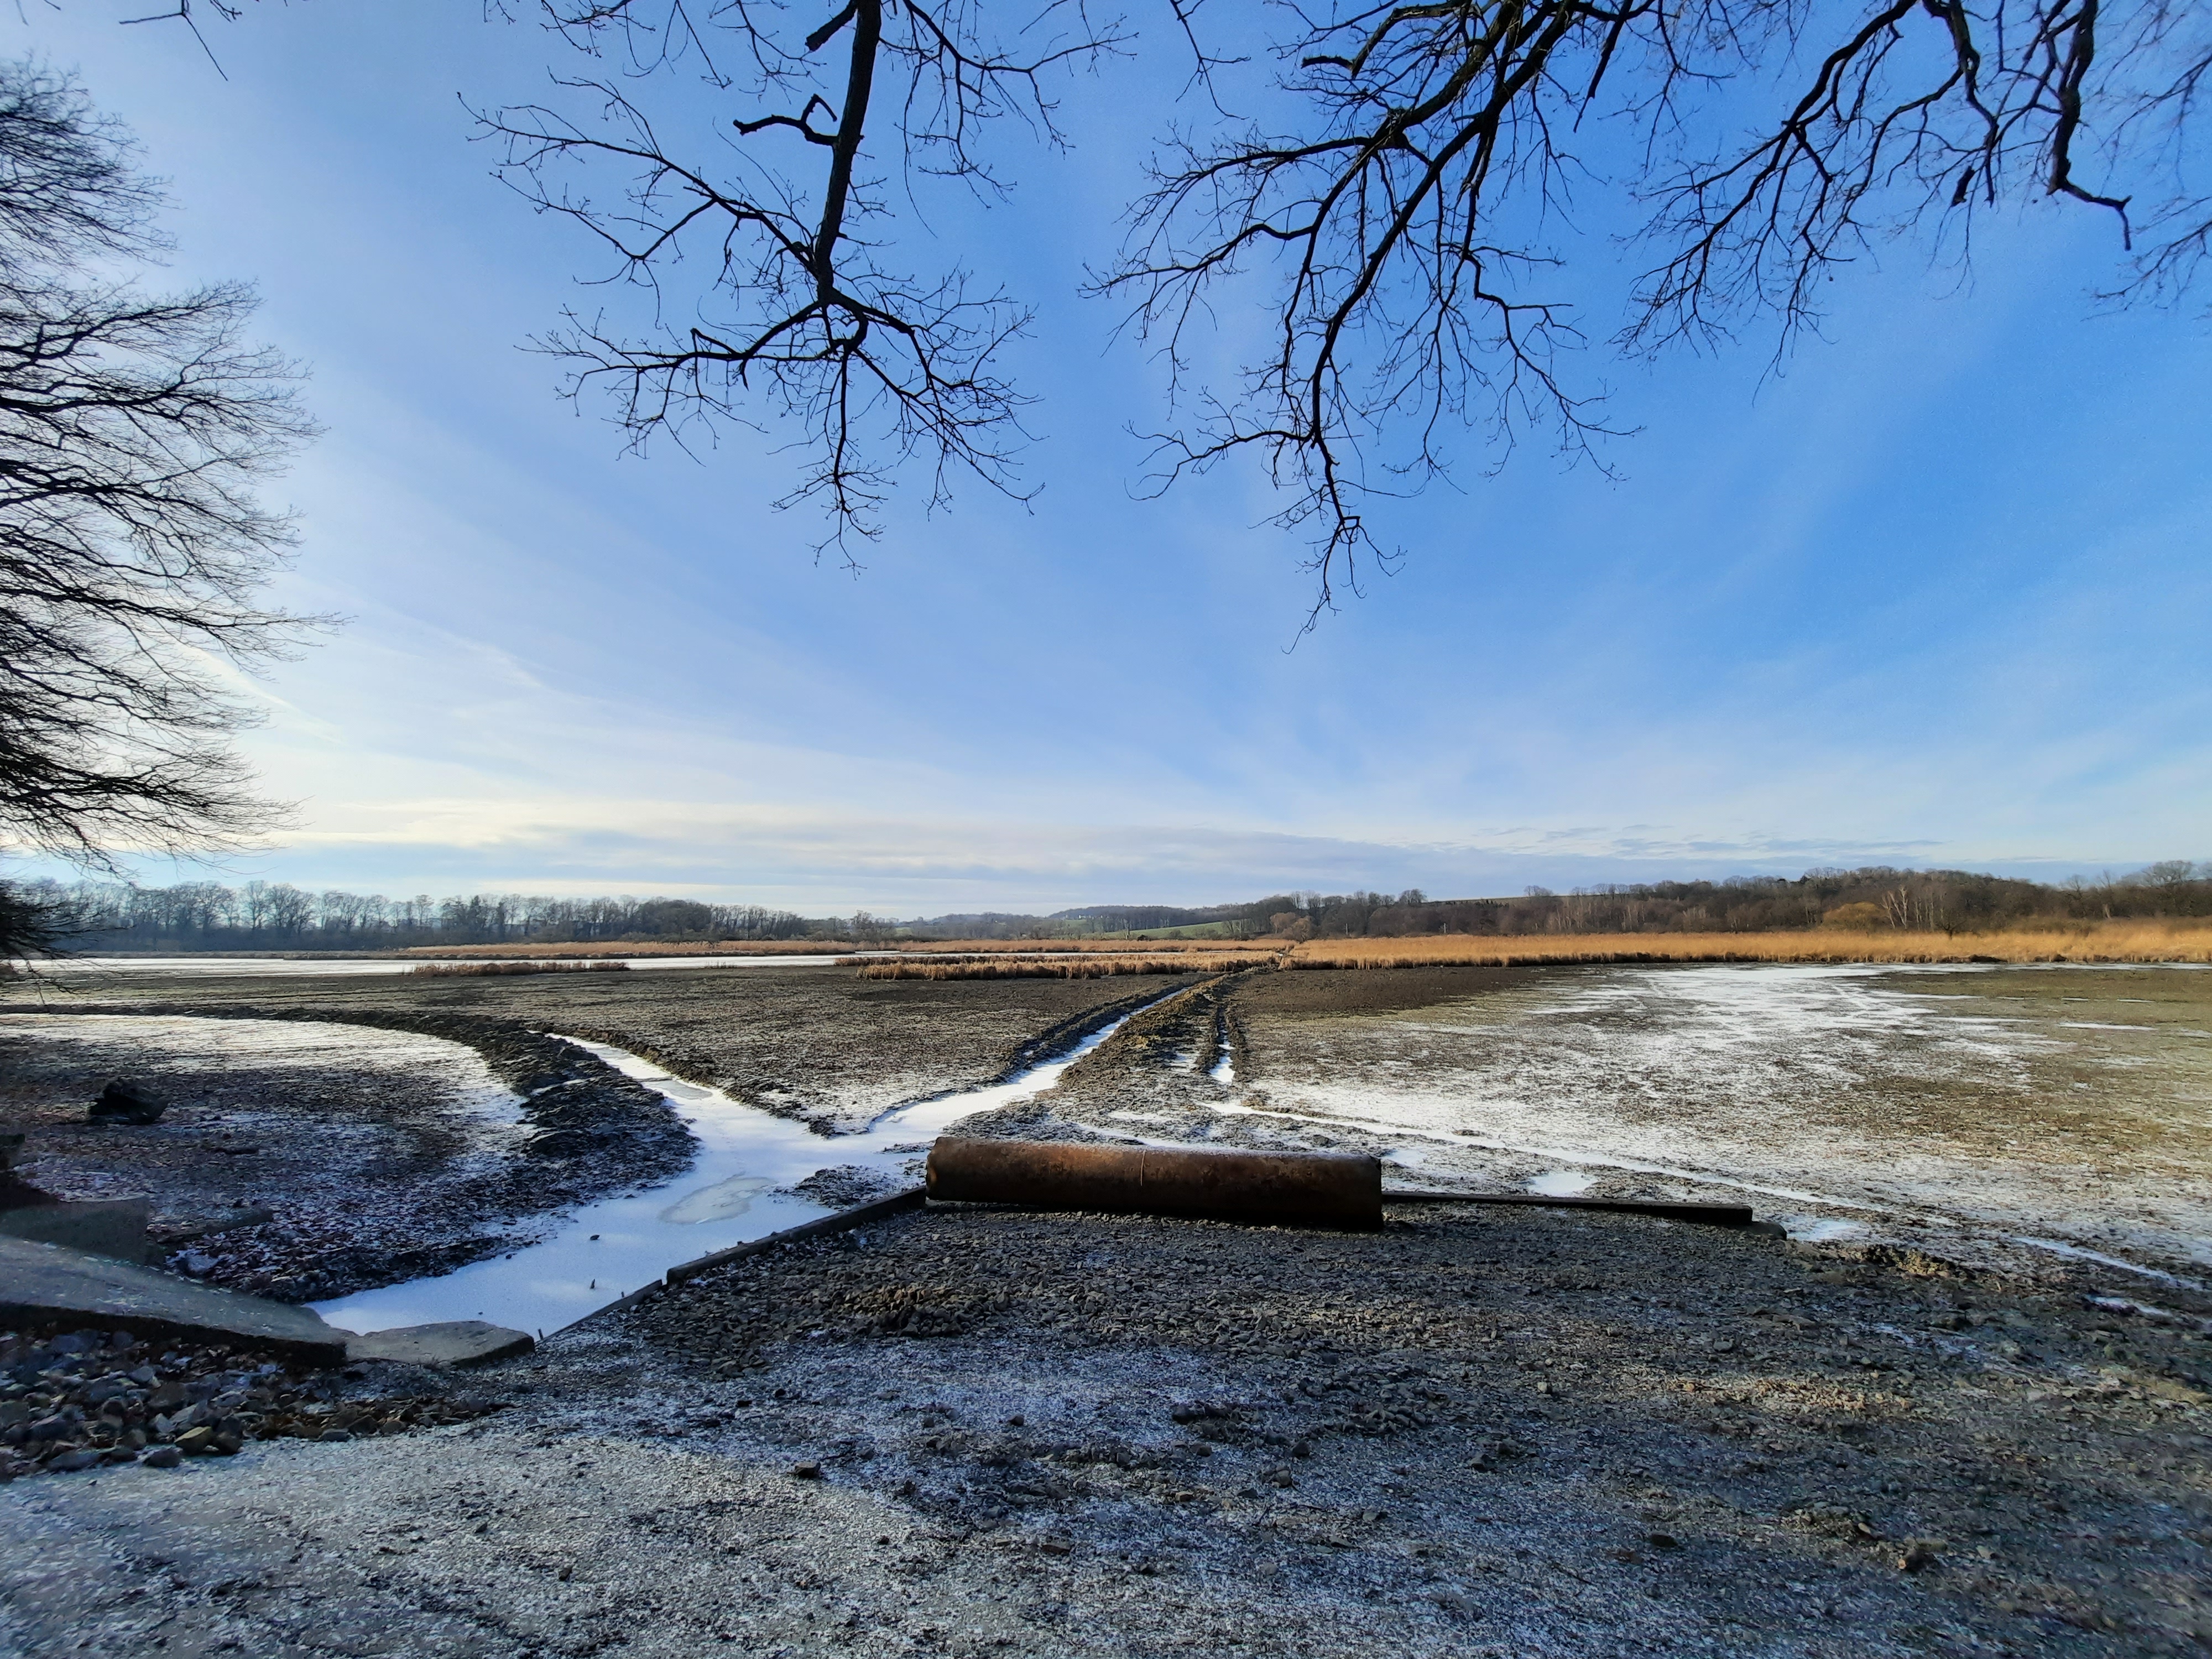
(1936, 593)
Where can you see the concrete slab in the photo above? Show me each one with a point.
(47, 1284)
(113, 1228)
(454, 1342)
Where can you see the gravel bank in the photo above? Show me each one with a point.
(975, 1432)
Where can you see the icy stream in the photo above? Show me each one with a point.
(729, 1195)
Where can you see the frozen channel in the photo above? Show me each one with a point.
(361, 967)
(728, 1196)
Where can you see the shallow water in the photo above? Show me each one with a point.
(726, 1197)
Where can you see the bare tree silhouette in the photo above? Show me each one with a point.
(1409, 217)
(792, 301)
(1409, 225)
(134, 429)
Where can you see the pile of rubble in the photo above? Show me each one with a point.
(81, 1399)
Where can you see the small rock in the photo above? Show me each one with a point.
(65, 1462)
(162, 1457)
(332, 1435)
(1663, 1540)
(197, 1440)
(806, 1471)
(126, 1101)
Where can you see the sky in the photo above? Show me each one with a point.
(1932, 593)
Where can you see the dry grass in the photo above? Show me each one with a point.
(451, 968)
(1009, 947)
(1031, 967)
(804, 947)
(2082, 941)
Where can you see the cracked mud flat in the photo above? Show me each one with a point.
(972, 1432)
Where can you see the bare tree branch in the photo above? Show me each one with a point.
(795, 318)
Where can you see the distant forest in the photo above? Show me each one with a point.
(266, 915)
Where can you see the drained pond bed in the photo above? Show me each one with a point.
(1477, 1431)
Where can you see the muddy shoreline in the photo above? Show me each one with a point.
(372, 1180)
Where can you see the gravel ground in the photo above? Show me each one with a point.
(972, 1432)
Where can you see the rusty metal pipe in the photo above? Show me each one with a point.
(1297, 1189)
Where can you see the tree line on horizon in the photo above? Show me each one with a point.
(1872, 896)
(264, 915)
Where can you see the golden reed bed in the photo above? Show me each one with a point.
(804, 947)
(951, 959)
(2086, 941)
(1025, 966)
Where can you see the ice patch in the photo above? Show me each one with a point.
(1824, 1230)
(292, 967)
(1562, 1183)
(725, 1200)
(1800, 1084)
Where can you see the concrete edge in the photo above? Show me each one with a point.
(18, 1314)
(844, 1222)
(362, 1346)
